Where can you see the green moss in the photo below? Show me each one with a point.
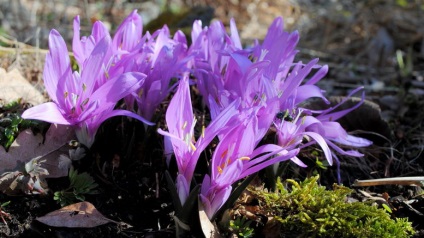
(11, 122)
(312, 211)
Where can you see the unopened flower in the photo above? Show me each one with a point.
(210, 52)
(83, 46)
(157, 55)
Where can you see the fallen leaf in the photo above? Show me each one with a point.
(14, 86)
(32, 158)
(28, 146)
(78, 215)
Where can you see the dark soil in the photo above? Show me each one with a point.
(134, 191)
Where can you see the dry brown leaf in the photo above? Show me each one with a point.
(28, 146)
(78, 215)
(14, 86)
(31, 158)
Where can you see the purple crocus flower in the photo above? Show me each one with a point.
(160, 58)
(265, 74)
(332, 132)
(180, 121)
(210, 52)
(76, 100)
(156, 55)
(83, 46)
(167, 60)
(293, 90)
(234, 158)
(128, 34)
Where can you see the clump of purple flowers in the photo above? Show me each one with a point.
(130, 65)
(248, 91)
(270, 89)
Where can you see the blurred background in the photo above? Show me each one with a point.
(361, 40)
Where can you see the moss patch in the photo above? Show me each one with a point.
(309, 210)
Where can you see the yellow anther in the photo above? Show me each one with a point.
(184, 125)
(203, 131)
(224, 153)
(286, 113)
(192, 146)
(84, 87)
(244, 158)
(65, 95)
(219, 170)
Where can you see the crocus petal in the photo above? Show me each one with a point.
(196, 30)
(352, 153)
(323, 144)
(230, 174)
(326, 116)
(93, 65)
(262, 159)
(115, 89)
(76, 42)
(305, 92)
(260, 163)
(237, 143)
(234, 34)
(57, 67)
(266, 115)
(298, 162)
(226, 118)
(127, 114)
(183, 156)
(295, 78)
(274, 31)
(353, 141)
(218, 200)
(318, 75)
(179, 115)
(332, 130)
(183, 188)
(265, 149)
(180, 37)
(129, 32)
(48, 112)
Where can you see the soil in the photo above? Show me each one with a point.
(362, 43)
